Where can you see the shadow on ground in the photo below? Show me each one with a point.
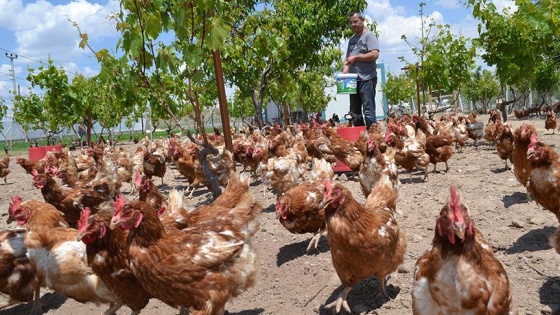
(295, 250)
(49, 301)
(532, 241)
(364, 295)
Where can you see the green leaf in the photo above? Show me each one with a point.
(218, 33)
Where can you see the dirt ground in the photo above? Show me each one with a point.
(293, 282)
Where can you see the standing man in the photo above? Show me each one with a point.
(361, 57)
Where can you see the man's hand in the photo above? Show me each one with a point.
(345, 69)
(350, 60)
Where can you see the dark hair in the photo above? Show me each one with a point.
(358, 13)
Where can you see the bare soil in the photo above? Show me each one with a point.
(293, 282)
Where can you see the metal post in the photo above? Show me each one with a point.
(12, 57)
(222, 98)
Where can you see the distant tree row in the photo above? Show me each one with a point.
(282, 51)
(522, 45)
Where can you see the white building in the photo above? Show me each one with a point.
(340, 103)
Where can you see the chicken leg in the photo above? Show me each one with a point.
(341, 301)
(37, 308)
(314, 242)
(113, 309)
(382, 288)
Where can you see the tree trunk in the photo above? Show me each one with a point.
(286, 111)
(258, 102)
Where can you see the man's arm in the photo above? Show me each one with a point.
(346, 67)
(370, 56)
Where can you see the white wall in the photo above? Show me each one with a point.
(340, 104)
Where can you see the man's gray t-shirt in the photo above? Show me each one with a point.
(361, 45)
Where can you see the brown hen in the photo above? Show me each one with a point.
(459, 272)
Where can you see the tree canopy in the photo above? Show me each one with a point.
(520, 43)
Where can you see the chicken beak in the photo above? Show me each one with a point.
(80, 236)
(114, 224)
(459, 230)
(323, 203)
(9, 220)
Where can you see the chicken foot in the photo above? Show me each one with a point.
(114, 308)
(314, 242)
(341, 301)
(382, 288)
(425, 173)
(10, 302)
(189, 196)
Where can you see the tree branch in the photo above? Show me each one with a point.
(207, 149)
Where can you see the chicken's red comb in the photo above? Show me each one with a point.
(137, 179)
(387, 134)
(455, 203)
(14, 204)
(328, 185)
(84, 215)
(533, 138)
(34, 172)
(119, 204)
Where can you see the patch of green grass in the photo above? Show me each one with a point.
(21, 146)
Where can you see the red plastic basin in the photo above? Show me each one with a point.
(351, 134)
(37, 153)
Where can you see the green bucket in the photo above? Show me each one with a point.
(346, 83)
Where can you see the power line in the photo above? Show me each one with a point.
(9, 75)
(28, 58)
(38, 61)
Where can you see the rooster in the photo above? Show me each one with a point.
(364, 240)
(459, 273)
(209, 262)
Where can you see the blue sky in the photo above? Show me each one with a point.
(37, 29)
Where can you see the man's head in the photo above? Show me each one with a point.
(356, 21)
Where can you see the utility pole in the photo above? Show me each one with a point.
(12, 57)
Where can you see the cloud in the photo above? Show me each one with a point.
(380, 9)
(508, 5)
(51, 33)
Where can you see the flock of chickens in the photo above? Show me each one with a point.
(88, 241)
